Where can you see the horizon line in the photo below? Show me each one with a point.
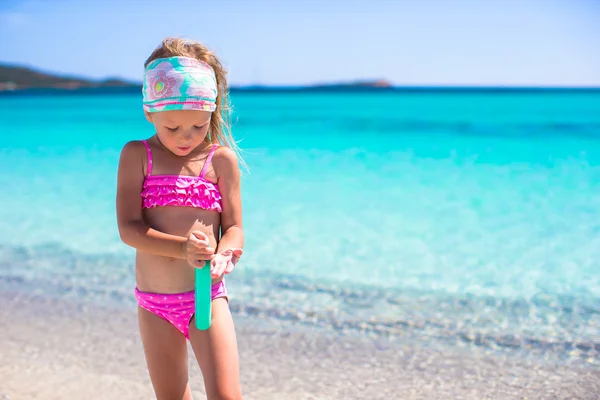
(358, 84)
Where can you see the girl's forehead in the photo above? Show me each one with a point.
(185, 116)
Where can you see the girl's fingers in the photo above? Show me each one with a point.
(224, 262)
(204, 252)
(201, 236)
(220, 265)
(230, 266)
(198, 263)
(197, 243)
(237, 253)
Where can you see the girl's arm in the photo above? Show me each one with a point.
(134, 232)
(226, 168)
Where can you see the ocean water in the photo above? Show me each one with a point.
(466, 218)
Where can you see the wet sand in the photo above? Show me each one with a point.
(57, 349)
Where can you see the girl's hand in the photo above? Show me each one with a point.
(224, 262)
(196, 250)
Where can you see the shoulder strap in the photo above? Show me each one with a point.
(149, 156)
(208, 160)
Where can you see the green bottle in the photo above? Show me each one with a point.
(203, 297)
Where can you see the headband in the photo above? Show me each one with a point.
(179, 83)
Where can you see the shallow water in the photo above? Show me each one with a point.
(464, 217)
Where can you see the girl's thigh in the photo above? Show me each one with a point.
(217, 353)
(166, 356)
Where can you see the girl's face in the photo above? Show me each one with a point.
(180, 131)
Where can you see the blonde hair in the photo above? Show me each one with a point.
(219, 131)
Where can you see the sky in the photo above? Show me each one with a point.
(289, 42)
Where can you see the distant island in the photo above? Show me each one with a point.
(22, 79)
(14, 77)
(17, 78)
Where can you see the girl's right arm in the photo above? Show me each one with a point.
(134, 232)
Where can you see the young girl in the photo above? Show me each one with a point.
(179, 205)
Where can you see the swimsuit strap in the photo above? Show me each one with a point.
(208, 160)
(149, 156)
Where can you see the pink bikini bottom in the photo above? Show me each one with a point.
(176, 308)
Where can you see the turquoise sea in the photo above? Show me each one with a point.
(465, 218)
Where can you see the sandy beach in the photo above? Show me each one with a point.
(417, 196)
(57, 349)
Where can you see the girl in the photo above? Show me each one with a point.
(179, 205)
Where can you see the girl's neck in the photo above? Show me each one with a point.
(199, 150)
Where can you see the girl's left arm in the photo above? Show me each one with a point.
(226, 168)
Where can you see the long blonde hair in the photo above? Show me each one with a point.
(219, 131)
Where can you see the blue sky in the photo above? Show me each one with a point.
(424, 42)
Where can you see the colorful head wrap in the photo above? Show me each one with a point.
(179, 83)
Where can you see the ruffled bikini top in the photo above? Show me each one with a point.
(180, 190)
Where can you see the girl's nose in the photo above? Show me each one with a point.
(187, 136)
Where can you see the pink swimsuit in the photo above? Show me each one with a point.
(178, 191)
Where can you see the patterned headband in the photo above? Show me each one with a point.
(179, 83)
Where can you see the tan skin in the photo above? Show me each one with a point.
(172, 241)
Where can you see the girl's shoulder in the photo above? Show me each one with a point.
(225, 161)
(224, 155)
(135, 146)
(135, 152)
(224, 152)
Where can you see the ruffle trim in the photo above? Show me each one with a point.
(183, 191)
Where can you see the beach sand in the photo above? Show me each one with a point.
(58, 349)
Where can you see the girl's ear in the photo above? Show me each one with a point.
(148, 116)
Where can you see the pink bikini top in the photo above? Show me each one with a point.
(180, 190)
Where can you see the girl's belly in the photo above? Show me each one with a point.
(160, 274)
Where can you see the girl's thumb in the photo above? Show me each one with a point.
(200, 235)
(237, 252)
